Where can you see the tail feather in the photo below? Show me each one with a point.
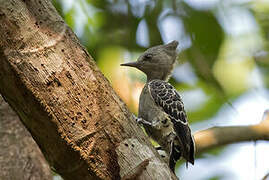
(192, 151)
(175, 154)
(188, 151)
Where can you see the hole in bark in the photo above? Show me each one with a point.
(132, 145)
(68, 75)
(62, 50)
(84, 121)
(126, 144)
(74, 118)
(49, 83)
(58, 82)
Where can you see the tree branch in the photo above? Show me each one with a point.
(82, 127)
(20, 157)
(218, 136)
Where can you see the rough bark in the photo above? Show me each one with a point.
(20, 157)
(219, 136)
(84, 130)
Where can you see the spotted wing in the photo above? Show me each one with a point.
(166, 97)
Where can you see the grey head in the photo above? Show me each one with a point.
(157, 62)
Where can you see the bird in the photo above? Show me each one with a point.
(161, 110)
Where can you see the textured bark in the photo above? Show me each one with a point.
(20, 157)
(219, 136)
(82, 127)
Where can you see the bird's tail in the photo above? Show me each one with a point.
(191, 153)
(175, 154)
(188, 151)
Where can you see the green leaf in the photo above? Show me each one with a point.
(207, 36)
(69, 17)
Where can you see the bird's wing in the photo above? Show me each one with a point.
(167, 98)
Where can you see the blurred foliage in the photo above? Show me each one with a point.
(206, 37)
(215, 178)
(222, 42)
(261, 12)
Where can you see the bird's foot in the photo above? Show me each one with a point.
(141, 121)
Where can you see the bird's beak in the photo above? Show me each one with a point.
(131, 64)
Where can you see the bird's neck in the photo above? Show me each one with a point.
(161, 75)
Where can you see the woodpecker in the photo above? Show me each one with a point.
(161, 110)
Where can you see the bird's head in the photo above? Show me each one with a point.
(157, 62)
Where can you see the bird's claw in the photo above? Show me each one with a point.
(139, 120)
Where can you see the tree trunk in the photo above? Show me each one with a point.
(20, 157)
(82, 127)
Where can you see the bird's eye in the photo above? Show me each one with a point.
(148, 56)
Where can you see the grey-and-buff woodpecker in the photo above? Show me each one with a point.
(161, 110)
